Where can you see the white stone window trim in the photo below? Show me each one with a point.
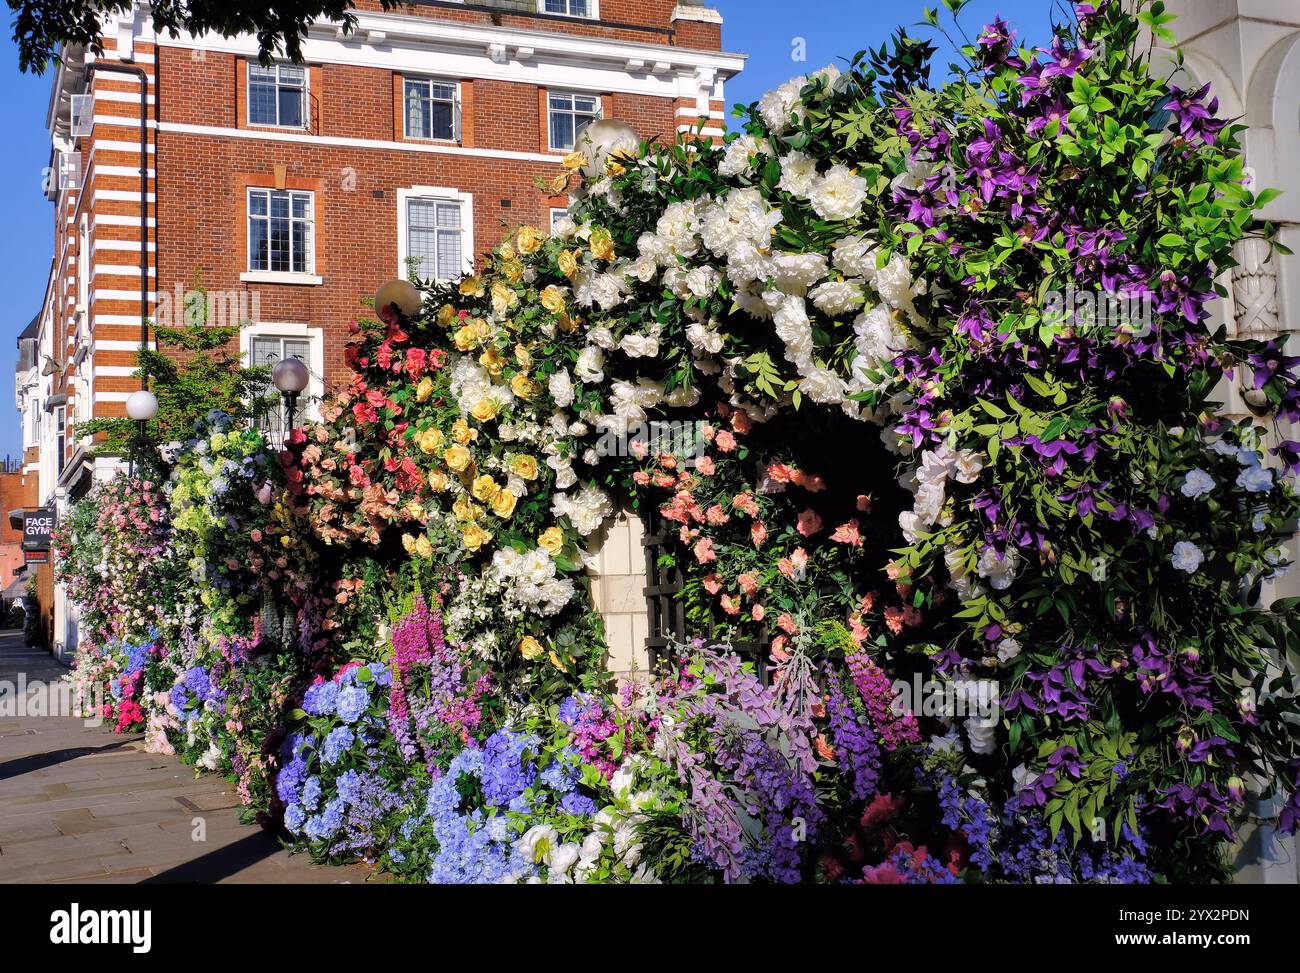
(314, 335)
(593, 10)
(441, 194)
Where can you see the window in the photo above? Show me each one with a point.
(431, 110)
(279, 231)
(266, 350)
(556, 216)
(570, 8)
(570, 114)
(435, 237)
(277, 95)
(60, 438)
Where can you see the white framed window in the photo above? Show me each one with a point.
(280, 232)
(277, 95)
(431, 109)
(267, 343)
(83, 263)
(435, 233)
(569, 115)
(60, 438)
(570, 8)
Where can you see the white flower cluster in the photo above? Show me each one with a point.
(587, 509)
(927, 483)
(613, 841)
(530, 580)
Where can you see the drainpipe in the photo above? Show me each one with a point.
(139, 72)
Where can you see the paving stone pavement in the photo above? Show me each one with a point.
(83, 804)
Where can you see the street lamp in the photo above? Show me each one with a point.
(599, 140)
(290, 376)
(141, 406)
(401, 294)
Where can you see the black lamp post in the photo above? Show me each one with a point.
(290, 376)
(141, 406)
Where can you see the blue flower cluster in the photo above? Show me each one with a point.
(194, 690)
(475, 846)
(346, 696)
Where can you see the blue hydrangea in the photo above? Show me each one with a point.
(337, 743)
(352, 703)
(311, 793)
(290, 779)
(325, 825)
(321, 699)
(294, 816)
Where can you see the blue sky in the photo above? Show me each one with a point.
(767, 30)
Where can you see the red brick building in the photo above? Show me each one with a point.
(289, 192)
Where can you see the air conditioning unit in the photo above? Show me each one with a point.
(69, 170)
(82, 115)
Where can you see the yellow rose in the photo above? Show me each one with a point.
(551, 541)
(424, 389)
(602, 244)
(503, 504)
(457, 458)
(530, 648)
(553, 299)
(423, 548)
(485, 409)
(560, 184)
(472, 287)
(485, 488)
(493, 361)
(555, 661)
(528, 240)
(482, 328)
(438, 481)
(503, 299)
(568, 263)
(614, 168)
(465, 338)
(463, 433)
(430, 441)
(447, 316)
(569, 323)
(466, 509)
(507, 252)
(474, 537)
(523, 466)
(408, 542)
(523, 386)
(574, 160)
(514, 270)
(522, 356)
(413, 510)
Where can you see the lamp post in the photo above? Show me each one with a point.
(141, 406)
(602, 139)
(290, 376)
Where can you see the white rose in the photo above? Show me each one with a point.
(839, 195)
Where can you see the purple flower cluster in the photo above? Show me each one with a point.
(856, 751)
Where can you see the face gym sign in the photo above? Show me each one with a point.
(38, 527)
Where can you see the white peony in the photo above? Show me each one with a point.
(798, 174)
(837, 298)
(777, 106)
(639, 345)
(560, 385)
(737, 160)
(797, 272)
(839, 195)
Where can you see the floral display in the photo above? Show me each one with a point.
(912, 382)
